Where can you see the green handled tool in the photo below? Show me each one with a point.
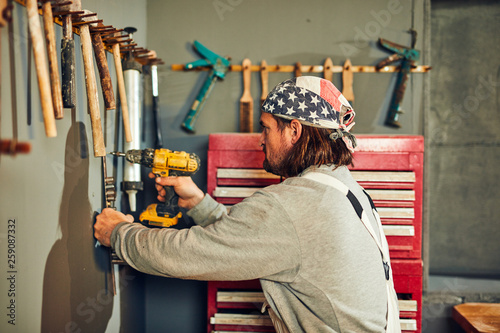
(219, 66)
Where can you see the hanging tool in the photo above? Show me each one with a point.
(115, 41)
(67, 10)
(328, 69)
(109, 202)
(164, 163)
(297, 71)
(156, 105)
(408, 57)
(246, 100)
(102, 67)
(219, 66)
(42, 70)
(84, 21)
(132, 182)
(5, 16)
(347, 81)
(13, 147)
(90, 82)
(264, 78)
(10, 147)
(50, 37)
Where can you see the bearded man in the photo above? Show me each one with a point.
(314, 240)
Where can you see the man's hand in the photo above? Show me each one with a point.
(106, 223)
(189, 194)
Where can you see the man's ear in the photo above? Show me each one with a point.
(296, 130)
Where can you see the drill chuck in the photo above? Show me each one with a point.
(141, 156)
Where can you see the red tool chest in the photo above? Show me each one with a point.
(390, 168)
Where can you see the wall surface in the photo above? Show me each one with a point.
(56, 279)
(281, 32)
(464, 139)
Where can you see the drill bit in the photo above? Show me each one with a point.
(118, 153)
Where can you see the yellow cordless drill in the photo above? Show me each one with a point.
(164, 163)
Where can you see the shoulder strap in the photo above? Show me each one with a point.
(334, 182)
(393, 324)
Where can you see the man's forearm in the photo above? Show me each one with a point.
(207, 211)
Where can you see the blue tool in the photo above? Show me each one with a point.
(219, 66)
(408, 56)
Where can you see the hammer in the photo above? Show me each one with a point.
(115, 41)
(90, 83)
(50, 37)
(42, 70)
(102, 66)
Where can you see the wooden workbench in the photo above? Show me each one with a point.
(478, 317)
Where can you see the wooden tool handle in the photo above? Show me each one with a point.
(246, 77)
(102, 66)
(327, 69)
(41, 68)
(55, 81)
(264, 78)
(121, 90)
(246, 101)
(297, 69)
(5, 12)
(347, 80)
(13, 147)
(92, 98)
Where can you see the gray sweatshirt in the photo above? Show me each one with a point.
(319, 268)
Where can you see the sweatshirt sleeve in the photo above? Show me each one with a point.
(207, 211)
(255, 240)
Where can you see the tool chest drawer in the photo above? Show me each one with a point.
(390, 168)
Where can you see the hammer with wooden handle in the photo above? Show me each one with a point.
(102, 66)
(121, 89)
(91, 85)
(41, 68)
(50, 37)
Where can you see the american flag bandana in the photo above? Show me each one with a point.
(314, 102)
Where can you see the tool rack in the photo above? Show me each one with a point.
(141, 55)
(310, 68)
(390, 168)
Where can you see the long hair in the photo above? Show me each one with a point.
(314, 147)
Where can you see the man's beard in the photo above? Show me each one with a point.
(277, 168)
